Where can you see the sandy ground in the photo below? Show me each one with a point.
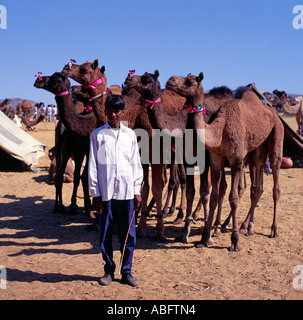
(51, 256)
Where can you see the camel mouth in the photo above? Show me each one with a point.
(39, 84)
(169, 86)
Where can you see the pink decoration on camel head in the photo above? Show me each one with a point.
(38, 76)
(70, 64)
(132, 72)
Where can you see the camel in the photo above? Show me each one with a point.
(295, 109)
(75, 140)
(30, 123)
(68, 175)
(4, 106)
(234, 133)
(25, 108)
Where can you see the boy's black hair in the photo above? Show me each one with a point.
(114, 101)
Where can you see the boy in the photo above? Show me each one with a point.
(115, 177)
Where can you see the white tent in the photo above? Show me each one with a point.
(19, 144)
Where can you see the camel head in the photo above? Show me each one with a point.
(86, 73)
(7, 101)
(188, 87)
(147, 84)
(56, 83)
(280, 94)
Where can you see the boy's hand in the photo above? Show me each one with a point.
(137, 201)
(97, 204)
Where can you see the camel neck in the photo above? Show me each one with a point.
(83, 125)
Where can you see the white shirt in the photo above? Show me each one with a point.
(114, 167)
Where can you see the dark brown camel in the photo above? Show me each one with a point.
(234, 133)
(76, 137)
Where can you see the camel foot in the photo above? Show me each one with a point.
(274, 233)
(217, 231)
(234, 242)
(250, 230)
(201, 245)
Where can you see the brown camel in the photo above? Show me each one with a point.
(30, 123)
(296, 109)
(240, 127)
(68, 175)
(25, 108)
(75, 139)
(4, 106)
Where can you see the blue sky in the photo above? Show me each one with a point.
(232, 42)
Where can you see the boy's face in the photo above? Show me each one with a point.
(114, 117)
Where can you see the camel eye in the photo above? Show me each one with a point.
(145, 80)
(83, 71)
(188, 83)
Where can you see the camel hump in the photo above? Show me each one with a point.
(115, 89)
(247, 94)
(221, 92)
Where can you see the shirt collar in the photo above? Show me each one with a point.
(122, 126)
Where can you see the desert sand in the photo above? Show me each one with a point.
(50, 256)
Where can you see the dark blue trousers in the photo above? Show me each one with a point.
(119, 212)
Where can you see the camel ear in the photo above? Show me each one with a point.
(156, 74)
(95, 64)
(200, 77)
(102, 69)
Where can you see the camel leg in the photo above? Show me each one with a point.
(241, 189)
(59, 184)
(78, 158)
(173, 183)
(216, 164)
(144, 194)
(190, 194)
(236, 172)
(275, 163)
(256, 167)
(182, 182)
(85, 186)
(222, 192)
(157, 189)
(205, 185)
